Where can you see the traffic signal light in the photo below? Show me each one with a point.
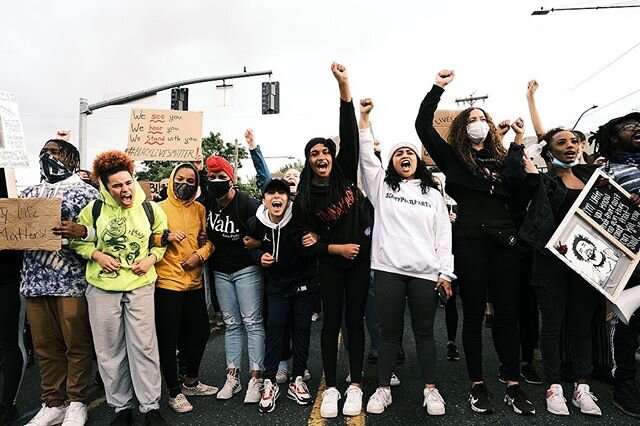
(180, 99)
(271, 97)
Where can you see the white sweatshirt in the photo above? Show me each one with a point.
(411, 231)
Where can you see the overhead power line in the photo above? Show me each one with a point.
(544, 11)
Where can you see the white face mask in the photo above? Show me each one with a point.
(477, 131)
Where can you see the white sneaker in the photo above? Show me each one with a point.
(199, 390)
(380, 400)
(556, 402)
(180, 404)
(394, 381)
(269, 396)
(282, 376)
(231, 387)
(253, 391)
(76, 414)
(353, 401)
(329, 407)
(48, 416)
(307, 376)
(433, 401)
(299, 392)
(585, 400)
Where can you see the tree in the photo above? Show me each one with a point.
(298, 165)
(211, 145)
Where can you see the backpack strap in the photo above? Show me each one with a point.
(148, 210)
(96, 210)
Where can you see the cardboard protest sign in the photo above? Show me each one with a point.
(25, 224)
(13, 152)
(599, 238)
(164, 135)
(442, 120)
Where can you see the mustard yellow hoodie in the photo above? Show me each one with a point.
(189, 217)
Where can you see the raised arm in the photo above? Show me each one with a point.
(437, 147)
(349, 146)
(370, 167)
(518, 128)
(532, 87)
(262, 170)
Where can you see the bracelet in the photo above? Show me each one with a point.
(165, 237)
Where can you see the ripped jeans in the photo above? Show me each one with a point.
(240, 297)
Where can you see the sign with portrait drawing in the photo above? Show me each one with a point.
(600, 236)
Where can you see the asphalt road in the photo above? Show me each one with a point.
(407, 398)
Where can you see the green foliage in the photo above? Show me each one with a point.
(298, 165)
(250, 187)
(213, 144)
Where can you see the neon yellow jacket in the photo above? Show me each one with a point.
(125, 235)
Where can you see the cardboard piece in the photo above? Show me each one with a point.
(164, 135)
(442, 120)
(13, 152)
(25, 224)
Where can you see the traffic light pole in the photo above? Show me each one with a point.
(87, 109)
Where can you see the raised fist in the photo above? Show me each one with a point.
(366, 105)
(339, 72)
(249, 137)
(444, 77)
(503, 127)
(532, 86)
(518, 126)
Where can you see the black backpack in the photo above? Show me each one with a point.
(146, 205)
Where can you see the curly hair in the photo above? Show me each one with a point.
(393, 179)
(459, 140)
(548, 137)
(109, 163)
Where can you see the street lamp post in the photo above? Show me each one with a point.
(86, 109)
(583, 113)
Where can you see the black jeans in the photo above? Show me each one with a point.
(282, 309)
(393, 291)
(527, 311)
(625, 344)
(565, 295)
(343, 288)
(14, 354)
(482, 264)
(451, 313)
(173, 309)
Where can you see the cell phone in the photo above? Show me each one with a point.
(443, 295)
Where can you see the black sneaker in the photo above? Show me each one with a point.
(626, 397)
(479, 399)
(7, 414)
(452, 352)
(123, 418)
(372, 358)
(517, 399)
(401, 357)
(529, 374)
(501, 377)
(153, 418)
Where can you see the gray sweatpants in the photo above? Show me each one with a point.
(124, 336)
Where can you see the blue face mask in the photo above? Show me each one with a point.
(564, 165)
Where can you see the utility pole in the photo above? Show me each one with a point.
(470, 100)
(235, 157)
(87, 109)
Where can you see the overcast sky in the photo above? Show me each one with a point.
(54, 52)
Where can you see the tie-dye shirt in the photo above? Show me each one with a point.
(57, 273)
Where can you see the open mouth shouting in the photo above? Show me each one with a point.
(126, 199)
(322, 165)
(405, 165)
(570, 155)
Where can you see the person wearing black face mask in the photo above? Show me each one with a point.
(179, 295)
(238, 280)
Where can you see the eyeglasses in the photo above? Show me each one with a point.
(629, 127)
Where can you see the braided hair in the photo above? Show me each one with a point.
(69, 154)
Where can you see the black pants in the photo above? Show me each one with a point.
(335, 285)
(14, 355)
(393, 291)
(527, 311)
(482, 264)
(625, 344)
(565, 295)
(451, 313)
(174, 308)
(298, 308)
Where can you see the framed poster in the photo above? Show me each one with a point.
(599, 238)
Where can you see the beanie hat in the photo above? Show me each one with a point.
(217, 164)
(315, 141)
(399, 145)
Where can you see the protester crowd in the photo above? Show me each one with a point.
(362, 234)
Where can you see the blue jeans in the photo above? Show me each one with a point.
(240, 297)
